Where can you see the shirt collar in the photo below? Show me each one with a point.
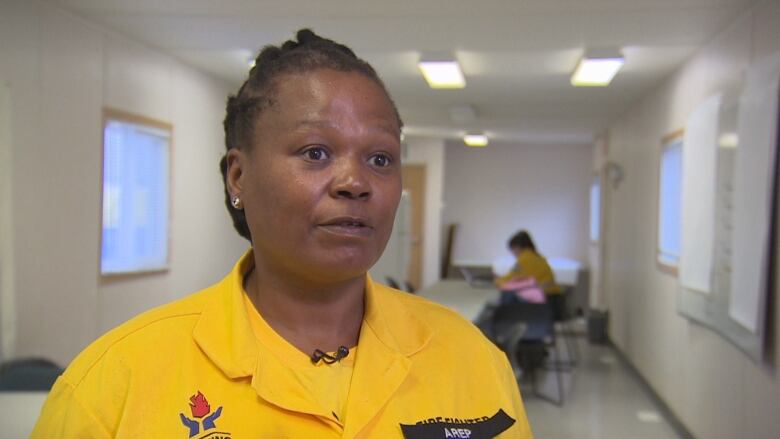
(392, 323)
(223, 331)
(225, 335)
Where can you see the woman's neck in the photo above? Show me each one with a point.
(308, 316)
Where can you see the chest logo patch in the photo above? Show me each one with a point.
(203, 416)
(441, 427)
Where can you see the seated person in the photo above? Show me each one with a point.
(530, 265)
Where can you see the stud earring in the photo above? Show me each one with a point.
(236, 202)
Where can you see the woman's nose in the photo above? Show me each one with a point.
(350, 180)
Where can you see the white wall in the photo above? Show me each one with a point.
(493, 192)
(61, 72)
(430, 153)
(7, 302)
(394, 262)
(714, 389)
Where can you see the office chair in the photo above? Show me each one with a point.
(28, 374)
(562, 316)
(525, 331)
(392, 283)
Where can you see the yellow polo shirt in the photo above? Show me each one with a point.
(328, 384)
(194, 369)
(532, 264)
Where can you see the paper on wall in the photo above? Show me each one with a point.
(753, 191)
(698, 196)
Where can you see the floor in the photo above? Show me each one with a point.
(602, 400)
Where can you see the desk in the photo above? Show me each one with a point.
(458, 295)
(18, 413)
(569, 273)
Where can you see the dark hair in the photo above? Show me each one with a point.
(310, 52)
(522, 239)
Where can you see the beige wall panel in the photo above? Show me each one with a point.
(713, 387)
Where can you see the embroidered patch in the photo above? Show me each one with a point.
(201, 411)
(441, 427)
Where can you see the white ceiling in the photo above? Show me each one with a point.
(517, 55)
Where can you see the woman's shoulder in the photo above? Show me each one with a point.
(446, 324)
(154, 330)
(529, 255)
(450, 336)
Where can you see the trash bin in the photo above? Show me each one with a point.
(597, 326)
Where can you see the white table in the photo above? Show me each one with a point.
(18, 413)
(460, 296)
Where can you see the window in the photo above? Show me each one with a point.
(595, 209)
(136, 158)
(670, 202)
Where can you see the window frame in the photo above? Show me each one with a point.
(111, 114)
(595, 179)
(667, 141)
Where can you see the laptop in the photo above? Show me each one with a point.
(478, 276)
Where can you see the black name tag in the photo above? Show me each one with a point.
(441, 427)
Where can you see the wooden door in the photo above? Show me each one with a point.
(414, 185)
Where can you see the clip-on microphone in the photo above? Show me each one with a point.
(318, 355)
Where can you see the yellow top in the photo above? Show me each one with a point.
(194, 369)
(532, 264)
(328, 384)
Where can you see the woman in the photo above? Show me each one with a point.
(297, 341)
(531, 265)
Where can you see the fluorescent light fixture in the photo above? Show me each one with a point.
(597, 68)
(475, 140)
(728, 140)
(441, 72)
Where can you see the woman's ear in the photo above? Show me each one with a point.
(235, 160)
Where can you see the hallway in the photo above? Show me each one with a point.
(604, 399)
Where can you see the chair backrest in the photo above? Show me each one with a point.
(559, 304)
(537, 317)
(392, 283)
(28, 374)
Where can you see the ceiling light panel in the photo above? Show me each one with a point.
(475, 140)
(597, 69)
(442, 72)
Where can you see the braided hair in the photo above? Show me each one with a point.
(310, 52)
(523, 240)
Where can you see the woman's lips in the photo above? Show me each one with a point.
(347, 226)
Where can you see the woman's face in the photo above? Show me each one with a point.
(322, 179)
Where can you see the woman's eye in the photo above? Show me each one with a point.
(381, 160)
(316, 154)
